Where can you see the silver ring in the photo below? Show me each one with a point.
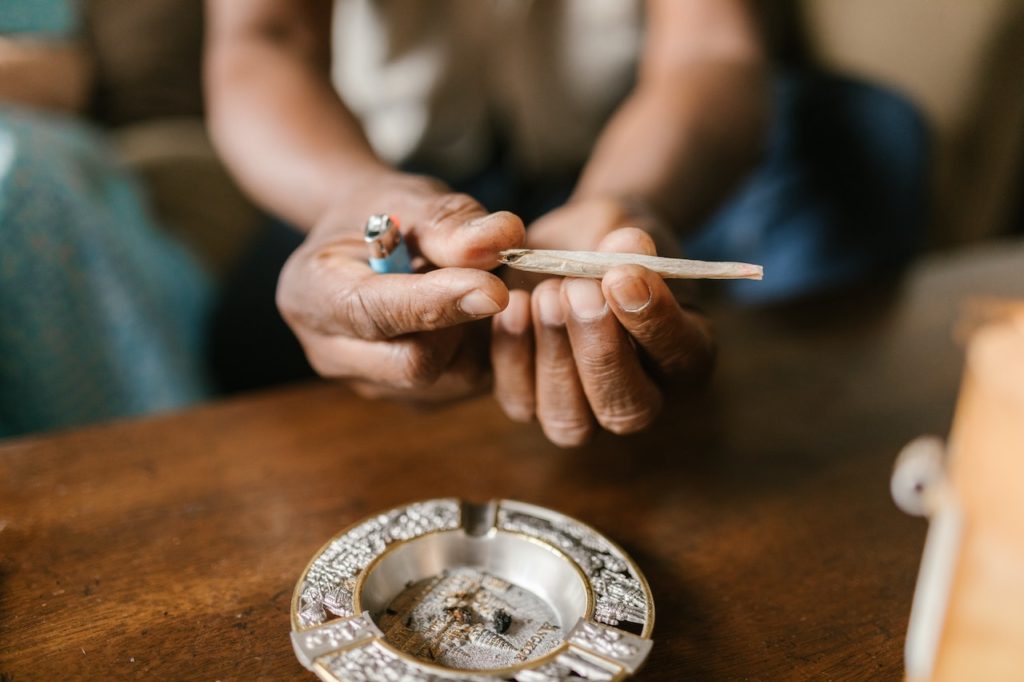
(442, 590)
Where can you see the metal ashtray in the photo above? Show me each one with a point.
(443, 590)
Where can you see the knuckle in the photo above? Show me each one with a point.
(432, 310)
(598, 360)
(433, 316)
(695, 355)
(366, 320)
(567, 431)
(418, 367)
(450, 206)
(446, 215)
(325, 365)
(653, 324)
(631, 420)
(284, 293)
(282, 300)
(322, 368)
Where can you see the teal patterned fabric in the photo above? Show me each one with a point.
(101, 314)
(41, 18)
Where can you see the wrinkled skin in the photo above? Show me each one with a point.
(401, 334)
(575, 352)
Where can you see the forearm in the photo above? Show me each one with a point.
(278, 123)
(45, 75)
(682, 140)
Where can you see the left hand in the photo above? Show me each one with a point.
(576, 351)
(411, 336)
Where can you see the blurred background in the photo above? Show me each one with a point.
(961, 63)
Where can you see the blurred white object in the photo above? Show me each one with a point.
(967, 619)
(918, 473)
(920, 488)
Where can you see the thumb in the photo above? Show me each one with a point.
(454, 230)
(381, 307)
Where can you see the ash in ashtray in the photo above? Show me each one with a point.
(468, 619)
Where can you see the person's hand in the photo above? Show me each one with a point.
(578, 351)
(401, 335)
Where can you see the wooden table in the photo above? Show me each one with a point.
(168, 548)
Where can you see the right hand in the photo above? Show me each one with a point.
(401, 335)
(579, 353)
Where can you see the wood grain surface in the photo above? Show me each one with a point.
(168, 548)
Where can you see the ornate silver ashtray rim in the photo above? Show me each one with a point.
(587, 580)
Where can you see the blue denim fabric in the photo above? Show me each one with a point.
(842, 191)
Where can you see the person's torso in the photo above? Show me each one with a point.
(434, 83)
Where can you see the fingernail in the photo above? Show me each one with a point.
(631, 293)
(549, 306)
(585, 298)
(478, 304)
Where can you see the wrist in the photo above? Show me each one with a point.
(378, 190)
(635, 210)
(585, 220)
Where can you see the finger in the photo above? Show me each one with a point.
(465, 375)
(512, 358)
(561, 404)
(622, 397)
(386, 306)
(347, 298)
(628, 240)
(454, 230)
(678, 341)
(412, 362)
(634, 240)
